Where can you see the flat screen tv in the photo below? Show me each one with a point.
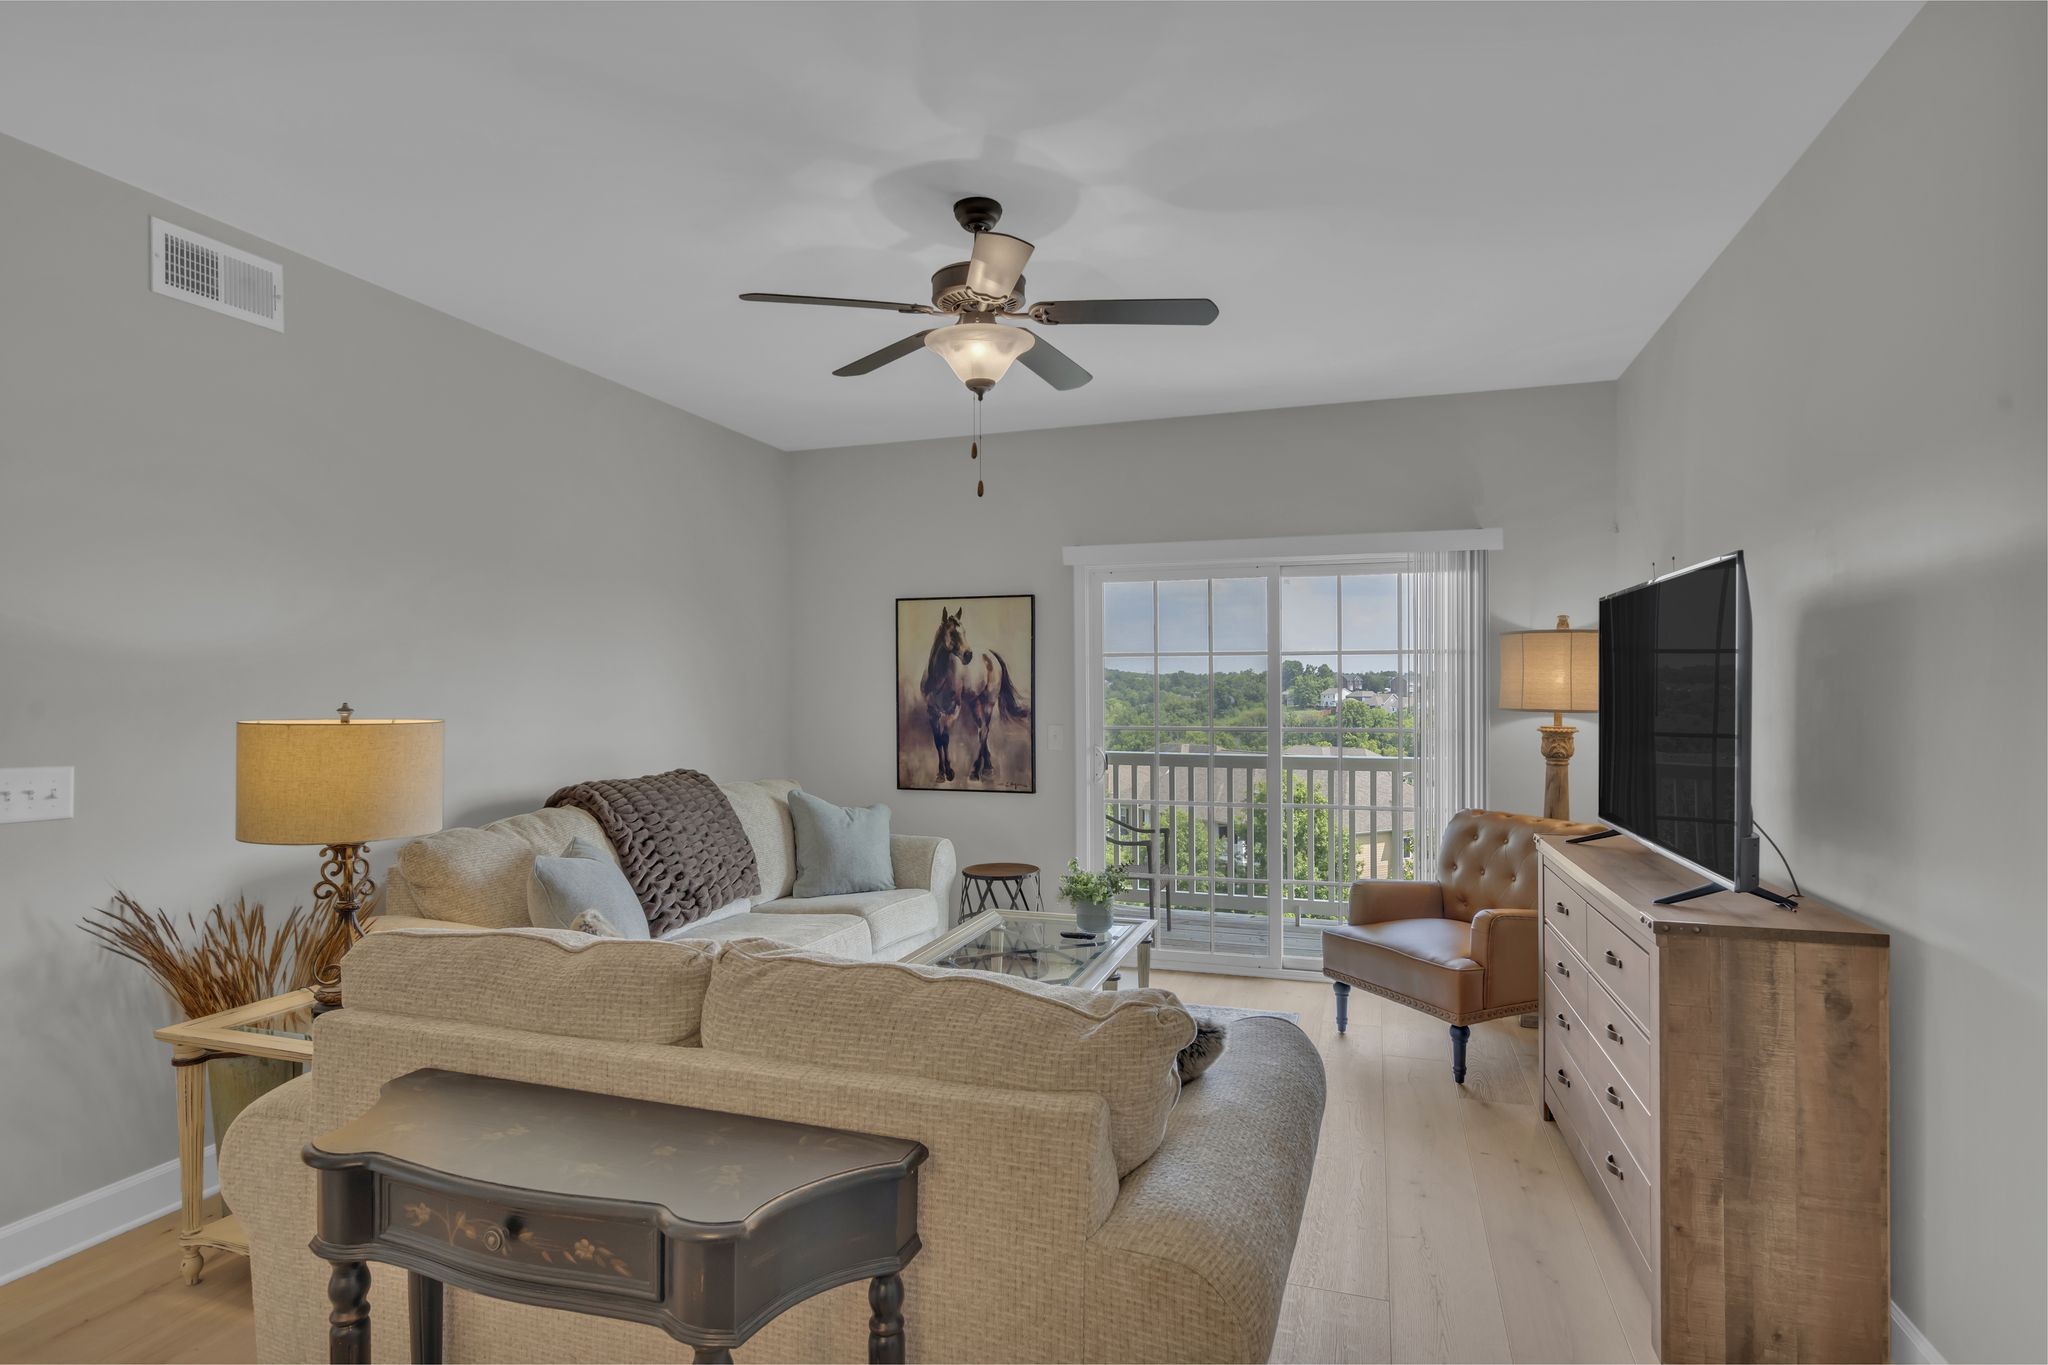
(1675, 720)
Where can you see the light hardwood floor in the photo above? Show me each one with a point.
(1442, 1225)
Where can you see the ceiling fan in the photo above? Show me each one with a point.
(984, 294)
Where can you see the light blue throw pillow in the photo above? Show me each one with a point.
(584, 881)
(840, 850)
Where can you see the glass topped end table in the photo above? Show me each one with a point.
(1044, 947)
(279, 1028)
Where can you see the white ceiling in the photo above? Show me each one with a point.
(1384, 200)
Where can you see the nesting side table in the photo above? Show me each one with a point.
(279, 1028)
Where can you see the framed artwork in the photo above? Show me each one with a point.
(966, 670)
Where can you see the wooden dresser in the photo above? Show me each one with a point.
(1721, 1071)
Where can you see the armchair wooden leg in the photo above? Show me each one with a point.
(1459, 1033)
(1343, 989)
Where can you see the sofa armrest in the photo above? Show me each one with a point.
(926, 862)
(1375, 901)
(1192, 1262)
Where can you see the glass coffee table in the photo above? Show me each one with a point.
(1044, 947)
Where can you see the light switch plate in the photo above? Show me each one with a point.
(1056, 738)
(34, 794)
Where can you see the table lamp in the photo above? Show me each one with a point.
(338, 784)
(1555, 671)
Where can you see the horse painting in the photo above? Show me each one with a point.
(964, 678)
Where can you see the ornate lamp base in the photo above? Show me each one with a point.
(345, 885)
(1556, 744)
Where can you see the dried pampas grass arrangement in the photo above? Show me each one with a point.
(229, 959)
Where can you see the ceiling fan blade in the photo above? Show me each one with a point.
(1144, 312)
(1053, 365)
(997, 261)
(840, 303)
(895, 350)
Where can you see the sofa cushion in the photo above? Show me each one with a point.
(892, 916)
(551, 980)
(975, 1028)
(585, 891)
(839, 935)
(763, 809)
(478, 876)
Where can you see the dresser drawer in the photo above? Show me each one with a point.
(1566, 910)
(1562, 964)
(1561, 1022)
(1621, 1179)
(1619, 963)
(1565, 1082)
(1618, 1037)
(1618, 1104)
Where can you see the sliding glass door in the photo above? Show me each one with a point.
(1255, 747)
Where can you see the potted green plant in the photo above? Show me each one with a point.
(1090, 893)
(228, 959)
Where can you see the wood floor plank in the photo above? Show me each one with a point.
(1343, 1241)
(1440, 1271)
(1323, 1327)
(1615, 1257)
(1554, 1303)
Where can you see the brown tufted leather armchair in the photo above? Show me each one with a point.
(1462, 947)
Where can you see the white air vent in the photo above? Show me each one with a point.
(213, 275)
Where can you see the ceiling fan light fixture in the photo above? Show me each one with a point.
(980, 353)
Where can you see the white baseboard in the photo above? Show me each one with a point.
(64, 1229)
(1909, 1346)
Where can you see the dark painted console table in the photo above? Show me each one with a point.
(703, 1224)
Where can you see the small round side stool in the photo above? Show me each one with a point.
(978, 885)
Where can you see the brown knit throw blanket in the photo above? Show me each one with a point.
(678, 840)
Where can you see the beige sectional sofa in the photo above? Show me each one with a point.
(1078, 1202)
(476, 878)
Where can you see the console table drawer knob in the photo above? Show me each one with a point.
(1614, 1167)
(1612, 960)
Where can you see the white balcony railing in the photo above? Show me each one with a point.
(1206, 859)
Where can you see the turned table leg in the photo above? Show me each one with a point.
(348, 1322)
(424, 1294)
(885, 1328)
(189, 1066)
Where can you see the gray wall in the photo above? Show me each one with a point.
(202, 520)
(873, 523)
(1853, 396)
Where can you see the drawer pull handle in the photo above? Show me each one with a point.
(1561, 910)
(1562, 1022)
(1563, 1079)
(1612, 960)
(1563, 970)
(1614, 1167)
(1615, 1036)
(1613, 1098)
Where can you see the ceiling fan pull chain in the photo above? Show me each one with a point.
(974, 451)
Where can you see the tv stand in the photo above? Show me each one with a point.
(1782, 902)
(1717, 1068)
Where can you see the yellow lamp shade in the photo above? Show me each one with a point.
(336, 781)
(1550, 670)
